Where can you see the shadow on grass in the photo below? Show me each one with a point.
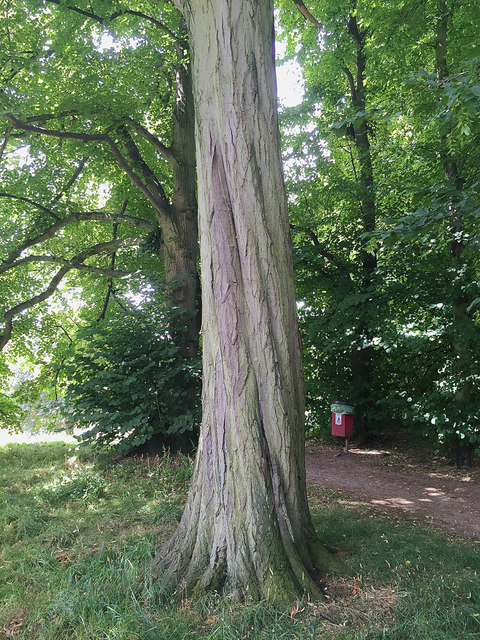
(76, 562)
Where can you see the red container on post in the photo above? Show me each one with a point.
(342, 425)
(342, 420)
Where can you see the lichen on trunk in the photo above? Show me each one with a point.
(246, 527)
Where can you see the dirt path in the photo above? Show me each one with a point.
(432, 492)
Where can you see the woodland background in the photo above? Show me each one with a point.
(98, 284)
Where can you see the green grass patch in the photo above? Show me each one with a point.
(77, 535)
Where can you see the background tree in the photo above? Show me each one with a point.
(382, 164)
(443, 110)
(334, 59)
(98, 174)
(105, 120)
(407, 113)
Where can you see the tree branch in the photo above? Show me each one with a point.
(71, 135)
(73, 264)
(148, 179)
(41, 118)
(30, 201)
(351, 81)
(118, 14)
(23, 306)
(320, 248)
(357, 35)
(306, 13)
(50, 232)
(156, 23)
(158, 200)
(156, 197)
(5, 141)
(62, 328)
(103, 312)
(67, 265)
(166, 152)
(75, 176)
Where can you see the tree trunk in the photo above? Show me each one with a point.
(177, 219)
(463, 326)
(362, 355)
(246, 527)
(180, 248)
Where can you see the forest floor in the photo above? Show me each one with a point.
(410, 480)
(78, 532)
(404, 478)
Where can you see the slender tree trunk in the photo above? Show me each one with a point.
(177, 219)
(246, 527)
(180, 250)
(362, 354)
(462, 322)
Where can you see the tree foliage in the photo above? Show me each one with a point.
(415, 313)
(96, 140)
(97, 186)
(128, 382)
(97, 192)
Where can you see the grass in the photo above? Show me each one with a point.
(77, 533)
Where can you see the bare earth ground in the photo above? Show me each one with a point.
(409, 479)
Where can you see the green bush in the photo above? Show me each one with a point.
(10, 413)
(129, 381)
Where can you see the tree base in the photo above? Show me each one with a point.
(192, 573)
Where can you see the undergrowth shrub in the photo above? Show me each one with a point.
(129, 381)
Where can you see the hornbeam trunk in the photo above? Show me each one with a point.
(246, 526)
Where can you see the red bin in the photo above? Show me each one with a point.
(342, 420)
(342, 425)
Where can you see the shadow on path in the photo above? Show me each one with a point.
(436, 498)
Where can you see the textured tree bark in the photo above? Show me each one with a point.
(246, 527)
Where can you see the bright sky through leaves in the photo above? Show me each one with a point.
(289, 80)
